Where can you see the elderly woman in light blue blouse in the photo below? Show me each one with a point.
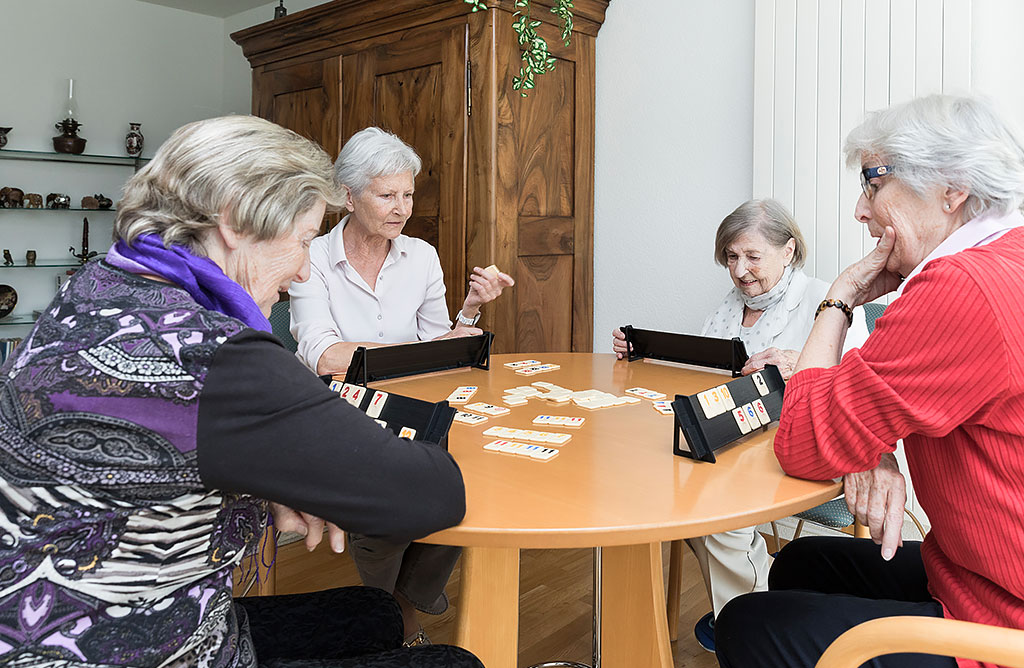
(771, 309)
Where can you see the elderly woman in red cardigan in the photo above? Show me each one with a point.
(943, 182)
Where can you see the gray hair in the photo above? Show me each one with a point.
(261, 173)
(945, 141)
(767, 216)
(370, 153)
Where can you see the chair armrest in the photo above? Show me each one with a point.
(926, 635)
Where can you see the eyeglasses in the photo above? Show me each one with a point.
(869, 173)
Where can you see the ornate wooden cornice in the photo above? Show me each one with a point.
(342, 21)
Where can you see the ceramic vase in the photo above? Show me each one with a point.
(133, 141)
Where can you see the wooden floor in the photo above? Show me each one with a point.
(554, 605)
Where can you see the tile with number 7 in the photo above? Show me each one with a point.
(377, 404)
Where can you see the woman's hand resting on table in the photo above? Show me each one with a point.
(784, 359)
(286, 519)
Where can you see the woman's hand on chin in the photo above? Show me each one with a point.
(868, 279)
(784, 359)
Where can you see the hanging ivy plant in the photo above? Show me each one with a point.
(536, 57)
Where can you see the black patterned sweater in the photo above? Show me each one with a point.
(138, 434)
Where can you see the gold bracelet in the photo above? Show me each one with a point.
(836, 303)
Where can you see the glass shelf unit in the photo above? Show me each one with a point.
(86, 158)
(42, 264)
(24, 319)
(59, 210)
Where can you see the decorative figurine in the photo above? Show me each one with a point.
(30, 258)
(90, 203)
(11, 198)
(85, 255)
(103, 202)
(68, 140)
(33, 201)
(3, 136)
(133, 141)
(8, 260)
(58, 201)
(280, 11)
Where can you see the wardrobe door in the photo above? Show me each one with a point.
(415, 86)
(305, 98)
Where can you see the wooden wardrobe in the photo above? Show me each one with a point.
(506, 180)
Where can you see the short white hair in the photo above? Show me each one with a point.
(945, 141)
(370, 153)
(261, 173)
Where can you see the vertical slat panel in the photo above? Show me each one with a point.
(805, 127)
(902, 50)
(956, 51)
(764, 96)
(785, 96)
(852, 98)
(878, 60)
(876, 54)
(827, 211)
(928, 75)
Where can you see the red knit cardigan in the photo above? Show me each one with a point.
(944, 371)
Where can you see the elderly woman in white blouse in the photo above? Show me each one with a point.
(371, 285)
(771, 309)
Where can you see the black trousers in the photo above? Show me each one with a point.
(348, 627)
(819, 588)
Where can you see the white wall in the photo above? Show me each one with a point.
(237, 73)
(997, 55)
(131, 61)
(673, 153)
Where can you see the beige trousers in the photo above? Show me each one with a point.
(732, 563)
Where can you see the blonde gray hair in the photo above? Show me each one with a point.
(370, 153)
(261, 174)
(945, 141)
(767, 216)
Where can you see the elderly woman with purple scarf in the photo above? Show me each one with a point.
(149, 417)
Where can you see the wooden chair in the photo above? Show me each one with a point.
(925, 635)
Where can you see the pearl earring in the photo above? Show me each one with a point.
(947, 206)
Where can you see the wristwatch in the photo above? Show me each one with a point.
(468, 322)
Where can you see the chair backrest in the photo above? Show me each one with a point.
(280, 322)
(873, 312)
(927, 635)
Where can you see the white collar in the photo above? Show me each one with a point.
(973, 233)
(336, 245)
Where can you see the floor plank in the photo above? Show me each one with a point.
(555, 616)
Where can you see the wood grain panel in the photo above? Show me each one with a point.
(583, 247)
(544, 304)
(406, 104)
(412, 88)
(546, 236)
(545, 123)
(301, 111)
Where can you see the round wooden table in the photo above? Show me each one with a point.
(615, 485)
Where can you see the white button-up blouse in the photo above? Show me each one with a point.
(336, 305)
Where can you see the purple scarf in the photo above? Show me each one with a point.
(201, 277)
